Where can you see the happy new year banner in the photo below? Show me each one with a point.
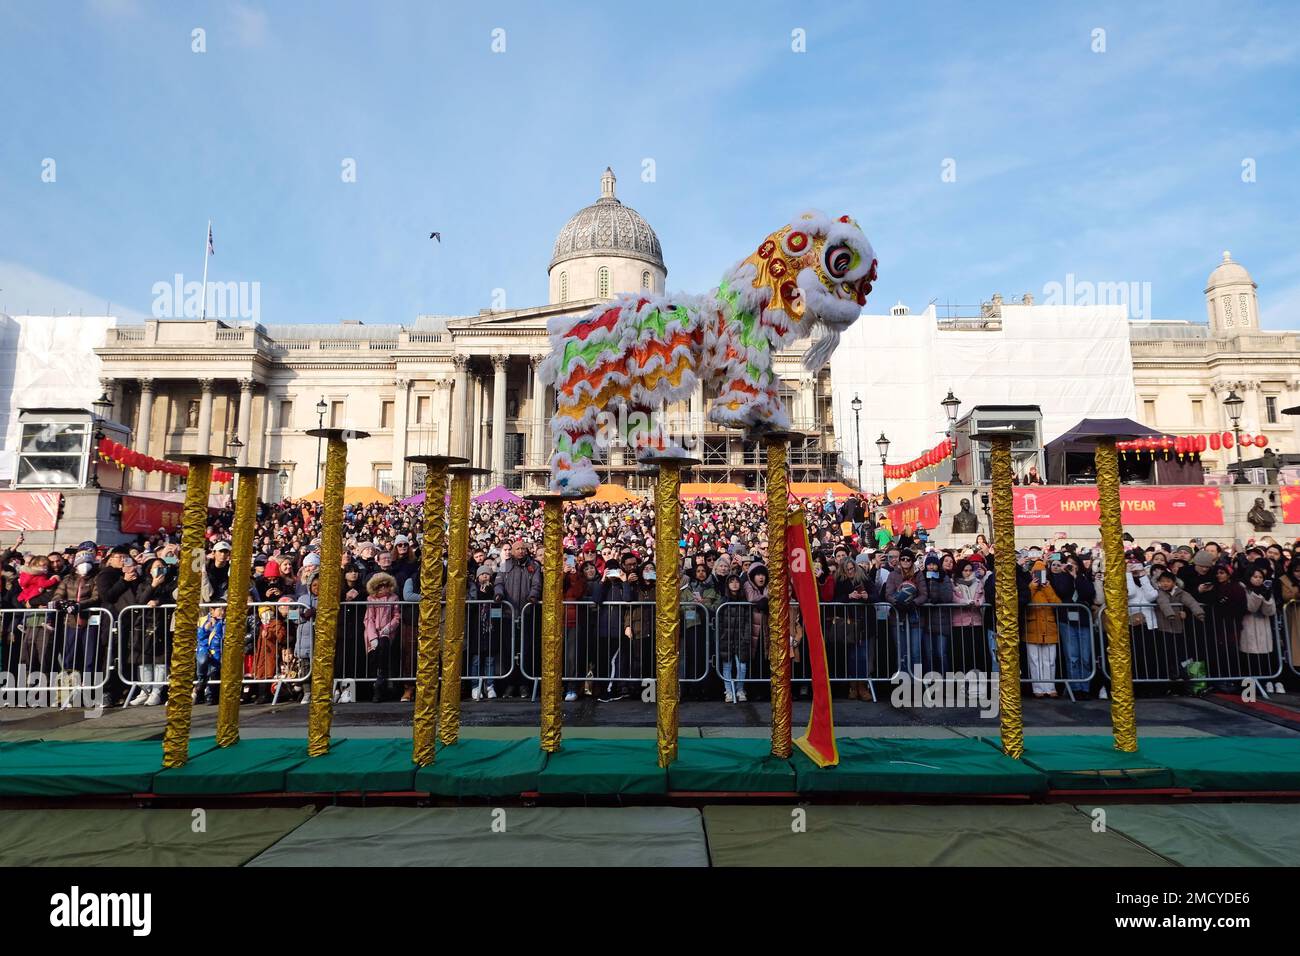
(1187, 504)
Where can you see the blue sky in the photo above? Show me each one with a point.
(1116, 166)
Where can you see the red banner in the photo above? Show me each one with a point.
(1039, 505)
(818, 741)
(29, 510)
(147, 515)
(922, 512)
(1290, 504)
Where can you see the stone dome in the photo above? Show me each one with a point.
(1229, 272)
(608, 228)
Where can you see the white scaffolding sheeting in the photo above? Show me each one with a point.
(1073, 361)
(46, 362)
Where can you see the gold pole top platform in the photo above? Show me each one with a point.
(194, 458)
(652, 462)
(336, 434)
(772, 434)
(436, 461)
(545, 496)
(243, 470)
(466, 471)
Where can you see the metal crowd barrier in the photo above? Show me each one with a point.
(871, 643)
(615, 641)
(57, 656)
(1197, 652)
(489, 643)
(1290, 624)
(271, 662)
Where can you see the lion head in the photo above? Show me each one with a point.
(815, 270)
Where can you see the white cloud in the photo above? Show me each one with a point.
(250, 26)
(24, 292)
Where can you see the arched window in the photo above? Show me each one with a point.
(564, 287)
(602, 282)
(645, 280)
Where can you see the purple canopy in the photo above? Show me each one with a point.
(497, 495)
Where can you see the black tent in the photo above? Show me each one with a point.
(1070, 456)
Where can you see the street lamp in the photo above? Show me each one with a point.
(882, 446)
(856, 405)
(321, 409)
(1233, 404)
(284, 484)
(235, 445)
(101, 408)
(950, 405)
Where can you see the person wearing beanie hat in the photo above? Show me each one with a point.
(935, 587)
(1197, 577)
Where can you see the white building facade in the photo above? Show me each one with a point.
(464, 386)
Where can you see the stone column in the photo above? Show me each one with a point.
(538, 449)
(499, 366)
(459, 421)
(144, 424)
(401, 409)
(1251, 413)
(806, 413)
(473, 420)
(442, 415)
(697, 409)
(204, 446)
(109, 388)
(245, 426)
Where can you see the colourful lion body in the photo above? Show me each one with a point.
(641, 352)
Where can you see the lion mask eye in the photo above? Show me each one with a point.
(839, 260)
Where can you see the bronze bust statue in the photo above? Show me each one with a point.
(1260, 518)
(964, 521)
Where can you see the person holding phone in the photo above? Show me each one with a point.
(1041, 635)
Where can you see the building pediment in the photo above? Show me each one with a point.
(531, 318)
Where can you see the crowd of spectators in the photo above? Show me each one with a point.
(893, 602)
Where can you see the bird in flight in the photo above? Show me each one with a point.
(436, 235)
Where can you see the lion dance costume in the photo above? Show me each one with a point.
(640, 352)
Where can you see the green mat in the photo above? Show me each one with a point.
(64, 768)
(836, 835)
(1092, 763)
(154, 838)
(1228, 763)
(717, 764)
(250, 766)
(357, 765)
(958, 765)
(1212, 834)
(502, 836)
(603, 767)
(483, 768)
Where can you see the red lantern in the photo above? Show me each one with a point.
(1216, 442)
(1200, 443)
(1227, 439)
(1261, 441)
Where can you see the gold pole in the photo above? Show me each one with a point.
(552, 623)
(232, 649)
(1122, 717)
(180, 703)
(778, 632)
(320, 714)
(426, 667)
(668, 599)
(1008, 608)
(457, 587)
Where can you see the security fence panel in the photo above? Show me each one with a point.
(57, 656)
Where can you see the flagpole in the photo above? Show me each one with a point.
(207, 244)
